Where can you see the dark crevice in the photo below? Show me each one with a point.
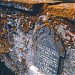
(36, 9)
(4, 70)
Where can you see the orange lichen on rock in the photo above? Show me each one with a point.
(63, 10)
(25, 27)
(4, 46)
(35, 1)
(21, 49)
(62, 50)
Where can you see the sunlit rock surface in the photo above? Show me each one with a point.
(38, 41)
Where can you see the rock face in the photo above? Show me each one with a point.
(35, 1)
(40, 37)
(46, 56)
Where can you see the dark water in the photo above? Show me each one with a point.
(4, 70)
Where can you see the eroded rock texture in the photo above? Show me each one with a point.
(40, 34)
